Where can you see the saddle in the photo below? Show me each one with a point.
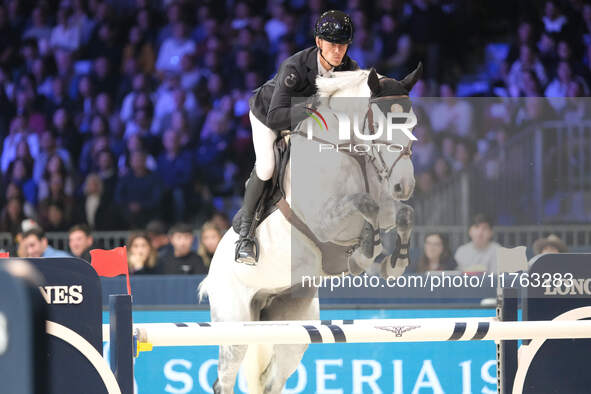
(334, 257)
(273, 190)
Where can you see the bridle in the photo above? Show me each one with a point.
(381, 168)
(376, 159)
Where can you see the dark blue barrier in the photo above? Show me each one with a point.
(71, 291)
(181, 291)
(23, 343)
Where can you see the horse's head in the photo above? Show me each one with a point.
(389, 95)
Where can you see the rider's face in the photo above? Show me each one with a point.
(334, 53)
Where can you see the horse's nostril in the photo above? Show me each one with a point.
(397, 188)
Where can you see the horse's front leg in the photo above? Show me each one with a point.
(398, 261)
(338, 211)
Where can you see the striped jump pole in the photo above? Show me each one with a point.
(359, 331)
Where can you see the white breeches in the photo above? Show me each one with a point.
(263, 139)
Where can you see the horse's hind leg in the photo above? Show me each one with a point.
(230, 358)
(229, 305)
(286, 358)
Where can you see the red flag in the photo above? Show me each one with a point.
(4, 255)
(111, 263)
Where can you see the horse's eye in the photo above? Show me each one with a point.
(396, 108)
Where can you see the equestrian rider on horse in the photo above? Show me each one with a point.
(271, 109)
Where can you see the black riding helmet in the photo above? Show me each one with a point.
(334, 26)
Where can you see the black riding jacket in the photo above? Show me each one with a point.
(271, 103)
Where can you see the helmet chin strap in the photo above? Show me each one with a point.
(326, 60)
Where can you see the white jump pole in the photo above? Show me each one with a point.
(368, 331)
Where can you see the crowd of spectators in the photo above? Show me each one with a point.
(478, 255)
(156, 250)
(118, 112)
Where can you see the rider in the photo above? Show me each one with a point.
(271, 110)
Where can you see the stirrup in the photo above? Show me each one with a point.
(242, 260)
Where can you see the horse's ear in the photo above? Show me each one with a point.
(373, 81)
(409, 81)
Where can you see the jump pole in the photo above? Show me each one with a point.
(374, 331)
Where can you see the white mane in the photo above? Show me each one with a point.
(344, 84)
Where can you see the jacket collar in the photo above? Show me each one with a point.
(312, 65)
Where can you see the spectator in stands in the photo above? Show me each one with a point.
(436, 254)
(220, 220)
(95, 209)
(138, 193)
(39, 29)
(553, 20)
(450, 114)
(104, 108)
(557, 90)
(12, 190)
(175, 167)
(139, 85)
(20, 173)
(171, 97)
(442, 169)
(36, 244)
(158, 236)
(54, 218)
(18, 132)
(426, 152)
(135, 143)
(141, 257)
(49, 148)
(550, 244)
(11, 216)
(80, 241)
(480, 254)
(65, 34)
(183, 260)
(55, 166)
(140, 49)
(464, 154)
(211, 235)
(528, 61)
(107, 172)
(18, 248)
(174, 48)
(56, 195)
(104, 76)
(425, 182)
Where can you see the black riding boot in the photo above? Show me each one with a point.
(246, 244)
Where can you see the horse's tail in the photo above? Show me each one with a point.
(202, 289)
(255, 363)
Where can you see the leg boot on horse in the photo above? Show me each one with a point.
(246, 246)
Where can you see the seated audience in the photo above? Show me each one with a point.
(480, 254)
(158, 236)
(436, 254)
(80, 241)
(141, 257)
(211, 235)
(36, 245)
(183, 260)
(551, 244)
